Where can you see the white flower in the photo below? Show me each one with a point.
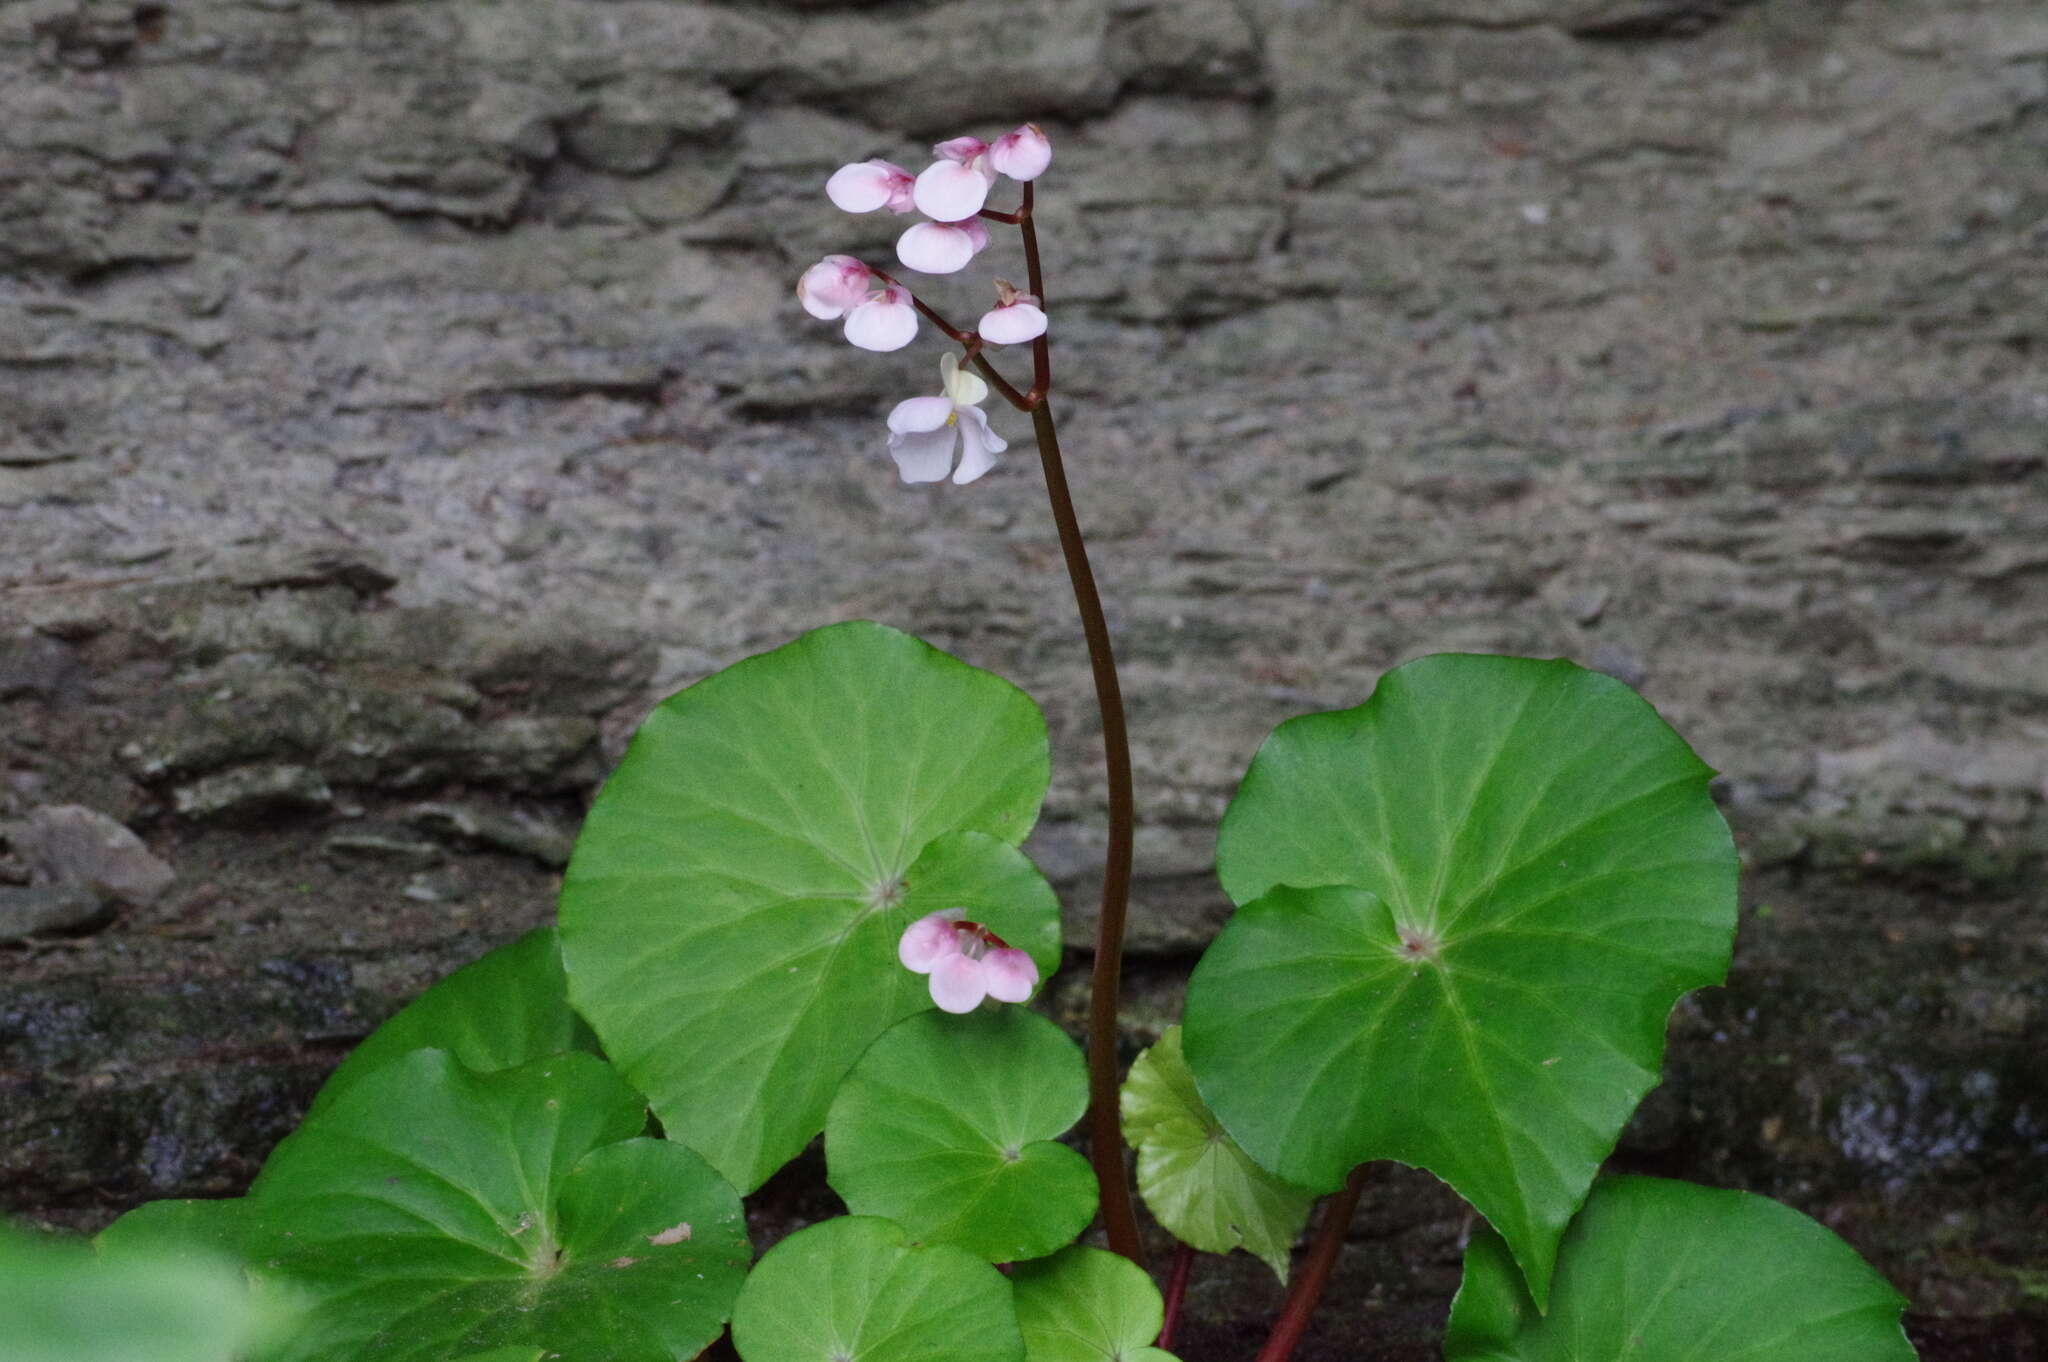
(922, 430)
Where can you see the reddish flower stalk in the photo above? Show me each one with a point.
(1307, 1290)
(1176, 1293)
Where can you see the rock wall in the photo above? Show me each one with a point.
(396, 398)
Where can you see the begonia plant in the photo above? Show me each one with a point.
(1465, 910)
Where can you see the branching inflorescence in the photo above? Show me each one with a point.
(881, 313)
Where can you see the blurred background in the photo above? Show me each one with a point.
(396, 399)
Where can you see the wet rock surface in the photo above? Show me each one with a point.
(396, 400)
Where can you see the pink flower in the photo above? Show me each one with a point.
(1022, 154)
(942, 247)
(865, 186)
(877, 317)
(923, 430)
(966, 961)
(834, 286)
(1016, 318)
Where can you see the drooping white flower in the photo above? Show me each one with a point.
(923, 431)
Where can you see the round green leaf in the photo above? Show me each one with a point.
(495, 1013)
(731, 913)
(431, 1212)
(1195, 1179)
(1088, 1305)
(854, 1290)
(1537, 874)
(946, 1127)
(1673, 1272)
(59, 1302)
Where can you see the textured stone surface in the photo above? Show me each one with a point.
(396, 399)
(71, 844)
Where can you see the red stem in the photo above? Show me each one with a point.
(1176, 1292)
(1105, 1132)
(1315, 1273)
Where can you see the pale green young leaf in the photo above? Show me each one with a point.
(1195, 1179)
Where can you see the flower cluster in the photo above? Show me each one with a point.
(966, 961)
(881, 314)
(951, 191)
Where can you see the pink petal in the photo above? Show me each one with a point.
(834, 286)
(1012, 325)
(957, 984)
(977, 233)
(884, 322)
(950, 191)
(978, 449)
(961, 149)
(865, 186)
(936, 248)
(929, 940)
(1009, 974)
(1023, 154)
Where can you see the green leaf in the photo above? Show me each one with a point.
(59, 1302)
(1672, 1272)
(495, 1013)
(1088, 1305)
(431, 1212)
(1537, 874)
(732, 910)
(946, 1127)
(854, 1288)
(208, 1230)
(1195, 1179)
